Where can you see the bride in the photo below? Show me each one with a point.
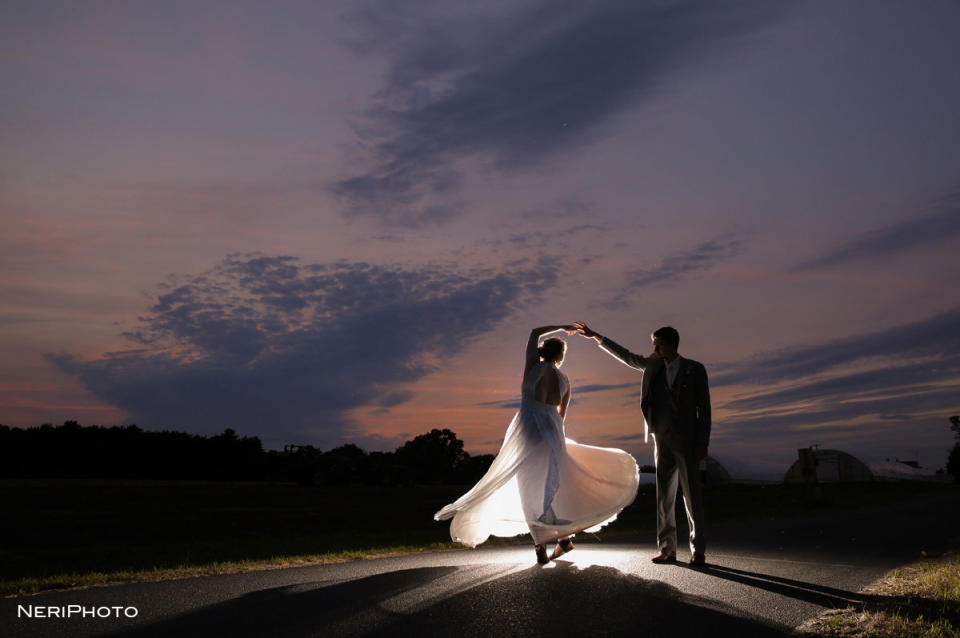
(542, 482)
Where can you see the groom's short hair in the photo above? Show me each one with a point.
(668, 334)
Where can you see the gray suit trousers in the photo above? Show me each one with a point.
(674, 464)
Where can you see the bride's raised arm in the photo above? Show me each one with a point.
(532, 356)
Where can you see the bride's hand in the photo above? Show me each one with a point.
(584, 329)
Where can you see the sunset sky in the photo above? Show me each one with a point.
(329, 222)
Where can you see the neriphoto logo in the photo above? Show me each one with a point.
(75, 611)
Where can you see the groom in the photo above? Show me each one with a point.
(675, 402)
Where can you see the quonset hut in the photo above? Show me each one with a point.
(830, 466)
(716, 473)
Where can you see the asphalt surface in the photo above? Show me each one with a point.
(762, 579)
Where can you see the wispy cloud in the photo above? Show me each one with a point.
(602, 387)
(703, 257)
(516, 88)
(268, 344)
(939, 226)
(849, 390)
(576, 391)
(934, 336)
(556, 238)
(835, 416)
(676, 266)
(505, 404)
(867, 385)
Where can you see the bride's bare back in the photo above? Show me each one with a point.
(548, 387)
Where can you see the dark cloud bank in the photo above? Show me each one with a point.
(517, 87)
(280, 349)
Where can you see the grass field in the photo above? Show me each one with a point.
(59, 534)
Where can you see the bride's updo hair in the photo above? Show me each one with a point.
(552, 349)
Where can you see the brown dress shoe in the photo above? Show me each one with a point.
(664, 557)
(563, 546)
(698, 560)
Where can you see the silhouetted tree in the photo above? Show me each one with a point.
(382, 469)
(343, 465)
(232, 458)
(432, 457)
(72, 451)
(301, 463)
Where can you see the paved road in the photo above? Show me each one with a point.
(763, 579)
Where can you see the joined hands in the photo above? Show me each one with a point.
(584, 330)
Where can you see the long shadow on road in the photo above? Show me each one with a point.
(829, 597)
(447, 601)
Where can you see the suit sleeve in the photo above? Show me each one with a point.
(703, 408)
(625, 356)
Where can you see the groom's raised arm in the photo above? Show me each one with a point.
(617, 351)
(631, 359)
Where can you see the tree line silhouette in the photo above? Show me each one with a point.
(72, 451)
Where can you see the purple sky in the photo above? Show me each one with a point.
(330, 222)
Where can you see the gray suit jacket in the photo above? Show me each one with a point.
(690, 390)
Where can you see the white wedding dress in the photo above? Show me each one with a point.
(542, 482)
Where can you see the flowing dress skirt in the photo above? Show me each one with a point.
(543, 483)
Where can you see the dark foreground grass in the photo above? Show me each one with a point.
(58, 534)
(919, 600)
